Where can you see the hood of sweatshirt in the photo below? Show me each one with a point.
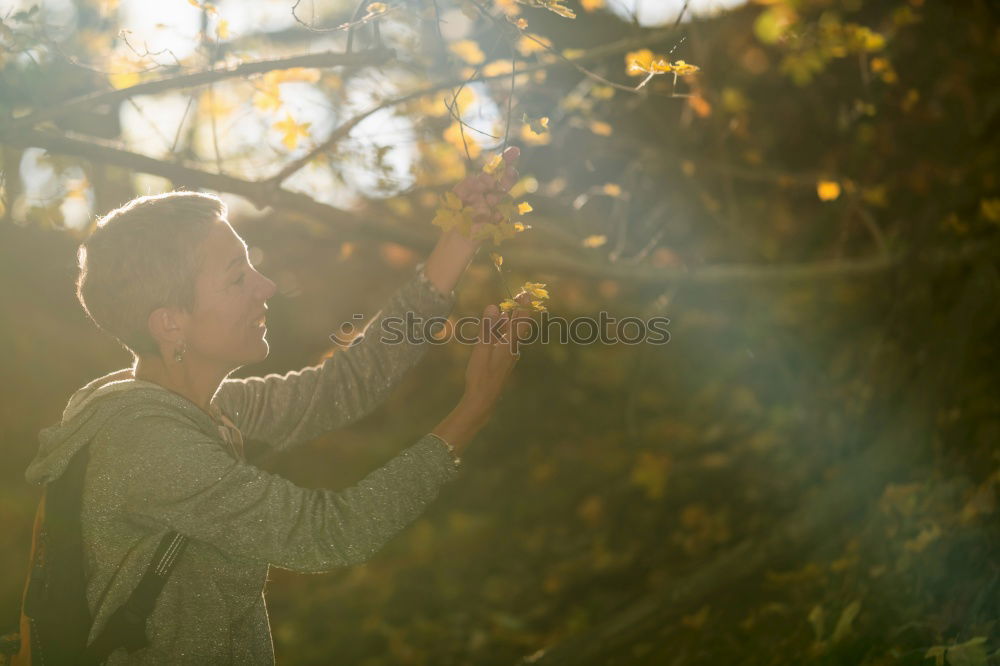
(90, 408)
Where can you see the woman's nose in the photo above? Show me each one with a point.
(268, 287)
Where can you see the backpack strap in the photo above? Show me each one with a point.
(127, 626)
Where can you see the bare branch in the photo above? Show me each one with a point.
(183, 175)
(344, 129)
(382, 226)
(327, 59)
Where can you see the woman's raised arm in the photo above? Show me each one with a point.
(281, 411)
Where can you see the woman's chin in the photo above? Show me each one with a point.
(263, 350)
(256, 351)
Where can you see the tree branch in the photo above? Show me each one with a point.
(183, 175)
(326, 59)
(344, 129)
(386, 227)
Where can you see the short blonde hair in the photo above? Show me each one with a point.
(143, 256)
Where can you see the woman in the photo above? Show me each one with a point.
(172, 441)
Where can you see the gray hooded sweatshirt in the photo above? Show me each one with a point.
(159, 463)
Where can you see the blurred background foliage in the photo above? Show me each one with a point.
(806, 473)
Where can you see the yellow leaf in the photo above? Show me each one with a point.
(532, 138)
(306, 74)
(508, 304)
(444, 219)
(222, 29)
(990, 209)
(123, 79)
(468, 51)
(661, 66)
(650, 473)
(816, 618)
(453, 135)
(682, 68)
(77, 189)
(493, 164)
(195, 3)
(927, 536)
(873, 41)
(521, 23)
(699, 105)
(600, 128)
(591, 5)
(508, 7)
(638, 63)
(828, 190)
(527, 45)
(771, 24)
(267, 98)
(696, 620)
(291, 131)
(524, 207)
(539, 306)
(520, 226)
(572, 54)
(557, 7)
(844, 622)
(876, 196)
(216, 105)
(734, 101)
(498, 68)
(597, 240)
(376, 8)
(612, 189)
(437, 105)
(539, 125)
(603, 92)
(497, 259)
(536, 289)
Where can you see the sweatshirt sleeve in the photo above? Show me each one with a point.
(282, 411)
(183, 479)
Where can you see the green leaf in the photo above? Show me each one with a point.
(846, 619)
(969, 653)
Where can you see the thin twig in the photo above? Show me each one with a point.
(387, 228)
(180, 125)
(76, 104)
(349, 26)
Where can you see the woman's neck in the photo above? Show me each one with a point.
(187, 378)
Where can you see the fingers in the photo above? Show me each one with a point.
(483, 191)
(508, 178)
(506, 349)
(490, 315)
(511, 155)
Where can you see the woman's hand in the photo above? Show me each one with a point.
(492, 360)
(482, 192)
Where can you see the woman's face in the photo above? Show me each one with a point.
(226, 328)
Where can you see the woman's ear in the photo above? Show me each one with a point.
(166, 326)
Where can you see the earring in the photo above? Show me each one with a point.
(179, 352)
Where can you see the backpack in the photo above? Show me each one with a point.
(55, 618)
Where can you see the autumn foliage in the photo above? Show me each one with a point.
(808, 471)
